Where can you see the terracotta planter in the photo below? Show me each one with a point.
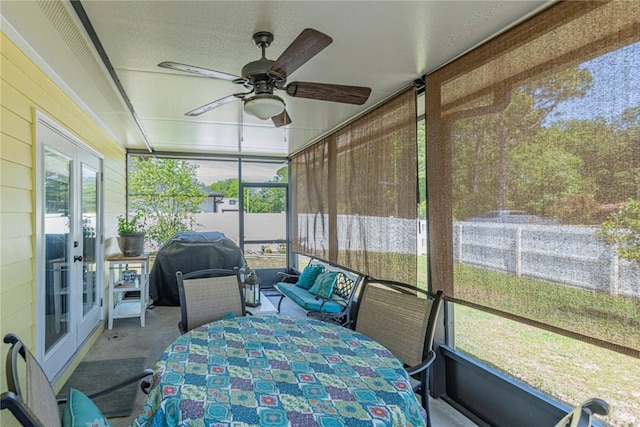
(131, 244)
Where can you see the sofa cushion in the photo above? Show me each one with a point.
(307, 300)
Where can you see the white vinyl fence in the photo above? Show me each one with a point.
(568, 255)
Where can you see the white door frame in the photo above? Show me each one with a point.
(57, 139)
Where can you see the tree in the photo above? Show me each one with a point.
(167, 193)
(507, 158)
(630, 123)
(529, 107)
(282, 175)
(228, 188)
(421, 144)
(257, 200)
(623, 230)
(265, 200)
(269, 200)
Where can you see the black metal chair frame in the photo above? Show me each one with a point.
(13, 399)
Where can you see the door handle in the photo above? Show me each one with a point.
(77, 258)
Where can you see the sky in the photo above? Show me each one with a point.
(618, 70)
(210, 171)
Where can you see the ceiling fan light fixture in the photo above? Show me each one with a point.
(264, 106)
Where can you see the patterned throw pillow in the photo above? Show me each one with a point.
(308, 276)
(323, 286)
(81, 411)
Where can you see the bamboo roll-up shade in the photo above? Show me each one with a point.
(354, 194)
(310, 200)
(543, 119)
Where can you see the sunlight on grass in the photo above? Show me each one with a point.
(567, 369)
(611, 318)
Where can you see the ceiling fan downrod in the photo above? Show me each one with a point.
(263, 40)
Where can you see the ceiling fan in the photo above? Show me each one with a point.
(262, 77)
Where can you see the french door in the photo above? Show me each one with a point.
(69, 229)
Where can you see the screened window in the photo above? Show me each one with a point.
(176, 194)
(543, 120)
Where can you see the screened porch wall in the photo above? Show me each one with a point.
(497, 141)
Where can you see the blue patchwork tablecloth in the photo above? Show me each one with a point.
(279, 371)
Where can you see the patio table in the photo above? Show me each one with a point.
(279, 371)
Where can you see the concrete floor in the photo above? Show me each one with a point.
(128, 339)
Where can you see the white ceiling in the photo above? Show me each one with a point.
(384, 45)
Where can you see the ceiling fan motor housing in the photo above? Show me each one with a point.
(259, 69)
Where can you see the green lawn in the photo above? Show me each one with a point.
(565, 368)
(612, 318)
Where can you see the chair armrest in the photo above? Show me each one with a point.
(412, 370)
(596, 406)
(580, 416)
(133, 379)
(8, 400)
(145, 386)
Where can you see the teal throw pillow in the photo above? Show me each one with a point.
(229, 315)
(80, 411)
(308, 276)
(323, 286)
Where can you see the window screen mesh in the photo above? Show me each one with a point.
(354, 194)
(533, 145)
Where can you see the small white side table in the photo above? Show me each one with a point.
(119, 307)
(265, 307)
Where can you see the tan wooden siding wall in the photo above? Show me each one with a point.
(25, 88)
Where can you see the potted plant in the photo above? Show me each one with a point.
(131, 235)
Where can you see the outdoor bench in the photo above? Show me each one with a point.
(335, 308)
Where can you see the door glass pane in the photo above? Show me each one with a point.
(265, 220)
(89, 209)
(56, 229)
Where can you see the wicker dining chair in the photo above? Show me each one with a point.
(32, 401)
(402, 318)
(208, 295)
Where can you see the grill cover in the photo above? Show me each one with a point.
(187, 252)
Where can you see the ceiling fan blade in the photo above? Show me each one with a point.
(307, 45)
(198, 70)
(329, 92)
(281, 119)
(210, 106)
